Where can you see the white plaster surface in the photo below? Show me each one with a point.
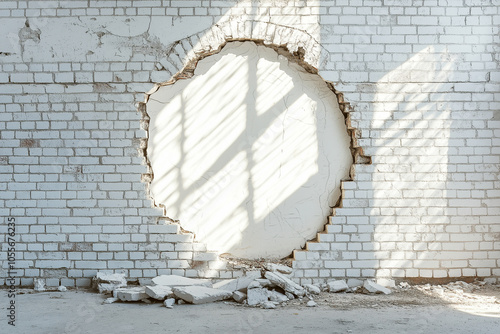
(249, 153)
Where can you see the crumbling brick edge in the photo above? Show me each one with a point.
(297, 56)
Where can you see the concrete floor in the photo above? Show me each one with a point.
(78, 312)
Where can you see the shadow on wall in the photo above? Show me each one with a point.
(249, 153)
(427, 225)
(411, 151)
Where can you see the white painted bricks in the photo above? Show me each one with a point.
(423, 86)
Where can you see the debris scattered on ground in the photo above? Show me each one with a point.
(110, 300)
(62, 288)
(311, 303)
(169, 303)
(373, 287)
(267, 289)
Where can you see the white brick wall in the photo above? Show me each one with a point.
(422, 79)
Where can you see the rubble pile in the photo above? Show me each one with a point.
(266, 288)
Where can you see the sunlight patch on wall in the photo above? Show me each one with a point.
(249, 153)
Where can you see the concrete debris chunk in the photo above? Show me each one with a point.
(257, 296)
(110, 300)
(107, 283)
(337, 286)
(354, 282)
(387, 282)
(200, 294)
(278, 297)
(62, 288)
(268, 305)
(373, 287)
(108, 287)
(254, 285)
(39, 284)
(238, 284)
(239, 296)
(265, 283)
(289, 295)
(169, 302)
(159, 292)
(312, 289)
(285, 283)
(174, 281)
(280, 268)
(132, 294)
(311, 303)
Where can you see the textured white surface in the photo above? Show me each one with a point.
(249, 153)
(423, 83)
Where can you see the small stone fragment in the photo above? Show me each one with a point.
(267, 305)
(110, 300)
(373, 287)
(312, 289)
(239, 296)
(289, 295)
(159, 292)
(337, 286)
(285, 283)
(311, 303)
(131, 294)
(257, 296)
(174, 280)
(169, 302)
(39, 284)
(200, 294)
(62, 288)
